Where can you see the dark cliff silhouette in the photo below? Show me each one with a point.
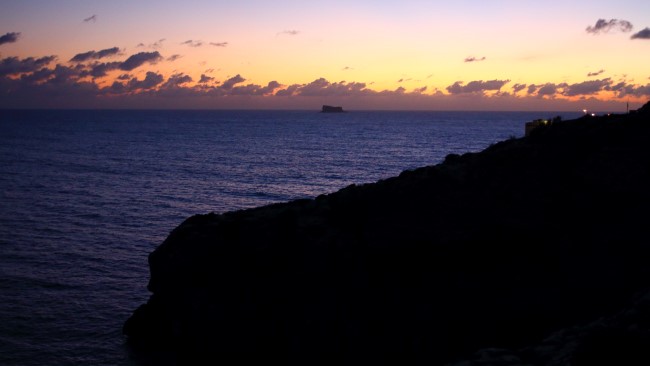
(331, 109)
(534, 251)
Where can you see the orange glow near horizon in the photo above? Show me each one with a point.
(410, 48)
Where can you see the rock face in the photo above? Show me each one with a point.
(331, 109)
(498, 251)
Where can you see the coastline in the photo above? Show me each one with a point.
(493, 249)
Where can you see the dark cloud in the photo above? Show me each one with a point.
(173, 58)
(595, 73)
(124, 77)
(604, 26)
(208, 71)
(101, 69)
(138, 59)
(292, 32)
(228, 84)
(420, 90)
(192, 43)
(586, 87)
(92, 18)
(151, 80)
(518, 87)
(92, 55)
(205, 79)
(474, 59)
(347, 68)
(177, 80)
(255, 90)
(478, 86)
(9, 37)
(322, 87)
(643, 34)
(14, 65)
(288, 91)
(219, 44)
(548, 89)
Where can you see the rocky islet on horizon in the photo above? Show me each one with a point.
(531, 252)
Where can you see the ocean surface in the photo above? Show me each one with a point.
(85, 196)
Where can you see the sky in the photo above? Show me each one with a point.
(254, 54)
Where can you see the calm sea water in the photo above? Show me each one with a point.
(85, 196)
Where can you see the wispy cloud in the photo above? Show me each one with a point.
(474, 59)
(155, 45)
(595, 73)
(92, 18)
(292, 32)
(173, 58)
(605, 26)
(643, 34)
(95, 55)
(219, 44)
(9, 37)
(192, 43)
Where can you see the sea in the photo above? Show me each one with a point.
(86, 195)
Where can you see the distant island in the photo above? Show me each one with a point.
(331, 109)
(532, 252)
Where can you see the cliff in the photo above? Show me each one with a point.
(331, 109)
(530, 252)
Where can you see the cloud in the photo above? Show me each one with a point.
(478, 86)
(92, 55)
(98, 70)
(643, 34)
(474, 59)
(586, 87)
(346, 68)
(518, 87)
(205, 79)
(289, 32)
(173, 58)
(548, 89)
(192, 43)
(322, 87)
(155, 45)
(124, 77)
(605, 26)
(15, 66)
(177, 80)
(139, 59)
(219, 44)
(151, 80)
(92, 18)
(228, 84)
(595, 73)
(10, 37)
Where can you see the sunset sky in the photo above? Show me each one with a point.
(407, 54)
